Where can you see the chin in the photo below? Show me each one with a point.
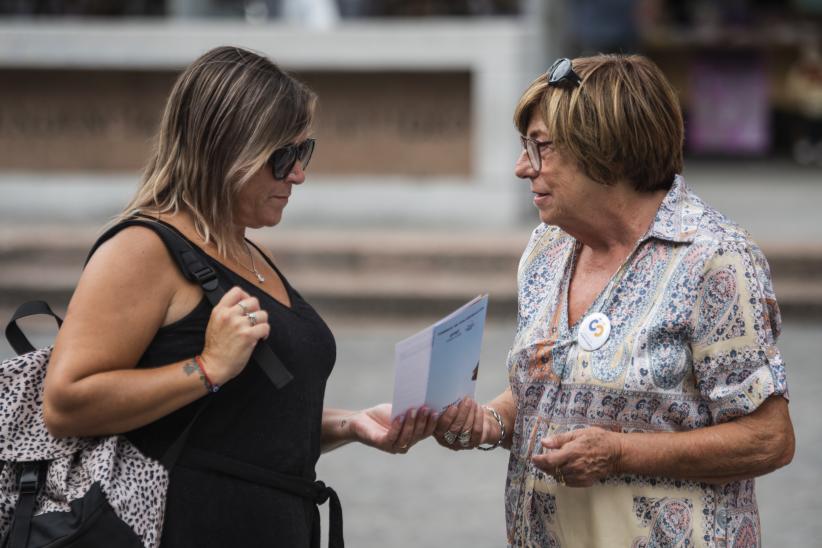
(553, 216)
(271, 217)
(264, 223)
(546, 217)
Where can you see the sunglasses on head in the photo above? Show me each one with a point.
(283, 159)
(562, 73)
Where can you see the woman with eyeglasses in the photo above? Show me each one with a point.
(141, 349)
(646, 391)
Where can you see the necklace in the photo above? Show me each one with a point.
(253, 268)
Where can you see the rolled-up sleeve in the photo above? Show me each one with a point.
(736, 322)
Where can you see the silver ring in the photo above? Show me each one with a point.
(244, 308)
(252, 317)
(450, 437)
(465, 438)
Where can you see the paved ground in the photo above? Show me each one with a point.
(433, 497)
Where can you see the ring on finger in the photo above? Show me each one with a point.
(252, 317)
(244, 308)
(465, 438)
(450, 437)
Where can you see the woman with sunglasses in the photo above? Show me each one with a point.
(141, 347)
(646, 390)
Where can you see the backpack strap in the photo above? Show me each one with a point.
(187, 259)
(24, 509)
(196, 269)
(18, 341)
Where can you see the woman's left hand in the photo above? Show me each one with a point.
(580, 457)
(374, 427)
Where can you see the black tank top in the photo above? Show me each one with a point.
(250, 421)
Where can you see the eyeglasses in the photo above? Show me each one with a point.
(561, 72)
(534, 150)
(283, 159)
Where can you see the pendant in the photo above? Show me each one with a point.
(594, 331)
(260, 277)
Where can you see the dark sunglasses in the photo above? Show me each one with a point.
(561, 73)
(534, 150)
(283, 159)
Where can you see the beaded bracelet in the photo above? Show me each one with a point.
(210, 386)
(498, 418)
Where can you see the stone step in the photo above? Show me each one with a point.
(384, 273)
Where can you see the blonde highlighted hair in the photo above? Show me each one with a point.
(622, 122)
(227, 112)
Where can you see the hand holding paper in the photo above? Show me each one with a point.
(374, 428)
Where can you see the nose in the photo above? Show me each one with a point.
(297, 174)
(523, 168)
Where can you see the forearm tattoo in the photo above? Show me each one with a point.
(345, 420)
(191, 367)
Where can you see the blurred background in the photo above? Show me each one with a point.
(411, 206)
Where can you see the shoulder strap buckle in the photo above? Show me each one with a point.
(202, 273)
(29, 479)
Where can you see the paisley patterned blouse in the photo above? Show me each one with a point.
(694, 322)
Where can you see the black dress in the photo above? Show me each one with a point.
(249, 423)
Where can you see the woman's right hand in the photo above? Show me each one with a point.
(236, 325)
(464, 426)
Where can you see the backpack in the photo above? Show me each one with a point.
(90, 492)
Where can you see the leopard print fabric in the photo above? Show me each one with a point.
(134, 484)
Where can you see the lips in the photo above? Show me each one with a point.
(541, 199)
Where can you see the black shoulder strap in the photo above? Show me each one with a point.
(189, 261)
(18, 341)
(196, 269)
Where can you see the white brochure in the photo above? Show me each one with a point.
(439, 365)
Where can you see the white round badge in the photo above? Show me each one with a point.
(594, 331)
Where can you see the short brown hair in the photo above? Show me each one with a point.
(622, 122)
(228, 111)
